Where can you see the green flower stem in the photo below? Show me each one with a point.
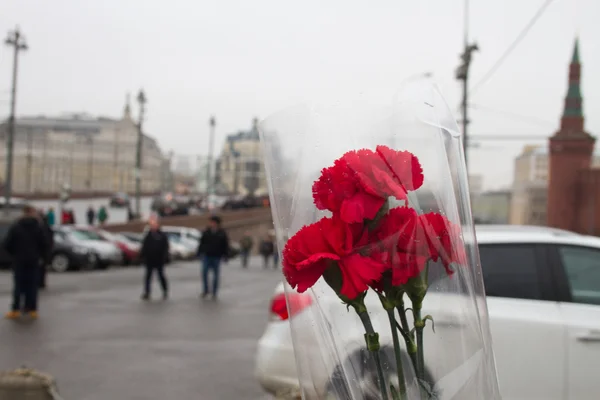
(372, 340)
(409, 339)
(419, 327)
(398, 354)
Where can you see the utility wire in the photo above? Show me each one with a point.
(502, 138)
(512, 46)
(513, 115)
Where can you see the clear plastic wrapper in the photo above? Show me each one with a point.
(371, 209)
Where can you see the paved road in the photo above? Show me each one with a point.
(101, 342)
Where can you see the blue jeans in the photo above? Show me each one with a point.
(211, 264)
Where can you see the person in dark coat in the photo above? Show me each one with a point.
(90, 215)
(154, 255)
(27, 243)
(213, 248)
(47, 257)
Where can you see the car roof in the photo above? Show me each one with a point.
(491, 234)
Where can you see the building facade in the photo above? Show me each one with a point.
(574, 185)
(529, 200)
(239, 169)
(492, 207)
(89, 154)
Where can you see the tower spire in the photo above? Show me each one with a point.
(575, 58)
(572, 118)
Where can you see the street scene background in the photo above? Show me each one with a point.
(99, 341)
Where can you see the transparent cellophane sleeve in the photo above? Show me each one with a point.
(332, 355)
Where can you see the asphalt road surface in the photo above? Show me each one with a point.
(100, 341)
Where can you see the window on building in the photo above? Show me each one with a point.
(510, 270)
(582, 267)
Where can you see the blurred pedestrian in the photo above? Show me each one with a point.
(26, 242)
(47, 257)
(90, 215)
(266, 249)
(154, 255)
(213, 248)
(130, 214)
(64, 217)
(102, 215)
(72, 220)
(246, 248)
(275, 254)
(51, 217)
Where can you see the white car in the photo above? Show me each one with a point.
(543, 288)
(188, 235)
(106, 252)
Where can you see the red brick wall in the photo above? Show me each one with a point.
(569, 157)
(589, 203)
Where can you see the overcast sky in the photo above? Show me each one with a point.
(240, 59)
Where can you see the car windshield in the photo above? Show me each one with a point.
(86, 235)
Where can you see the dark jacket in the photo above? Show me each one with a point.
(155, 248)
(27, 242)
(266, 248)
(214, 243)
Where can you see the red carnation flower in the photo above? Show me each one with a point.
(443, 239)
(406, 241)
(397, 245)
(339, 191)
(315, 247)
(386, 172)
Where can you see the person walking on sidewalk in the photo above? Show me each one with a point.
(27, 244)
(246, 246)
(102, 215)
(267, 249)
(90, 215)
(213, 248)
(51, 217)
(154, 255)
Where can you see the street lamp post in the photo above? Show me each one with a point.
(17, 41)
(211, 138)
(141, 98)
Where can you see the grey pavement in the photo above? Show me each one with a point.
(100, 341)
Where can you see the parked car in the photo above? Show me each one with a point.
(188, 234)
(130, 249)
(120, 200)
(107, 252)
(133, 236)
(168, 204)
(543, 288)
(179, 250)
(68, 255)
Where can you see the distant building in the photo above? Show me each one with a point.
(574, 185)
(475, 184)
(239, 169)
(88, 153)
(492, 207)
(529, 200)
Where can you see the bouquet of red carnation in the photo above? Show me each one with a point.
(382, 243)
